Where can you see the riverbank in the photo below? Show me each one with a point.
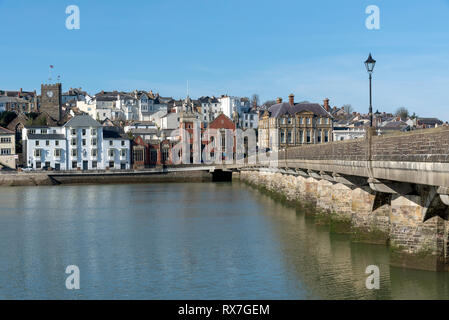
(398, 223)
(112, 177)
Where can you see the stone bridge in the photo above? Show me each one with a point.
(391, 189)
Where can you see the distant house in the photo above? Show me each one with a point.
(428, 122)
(8, 157)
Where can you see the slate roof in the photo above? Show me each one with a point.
(285, 108)
(50, 136)
(82, 121)
(5, 131)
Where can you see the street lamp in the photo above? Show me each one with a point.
(369, 63)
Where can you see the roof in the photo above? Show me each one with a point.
(50, 136)
(285, 108)
(82, 121)
(430, 121)
(5, 131)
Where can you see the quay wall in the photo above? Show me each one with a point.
(399, 222)
(49, 178)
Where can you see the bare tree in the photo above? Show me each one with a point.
(402, 112)
(348, 108)
(255, 100)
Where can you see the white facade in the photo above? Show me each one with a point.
(81, 144)
(229, 105)
(248, 120)
(348, 134)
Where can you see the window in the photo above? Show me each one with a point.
(74, 152)
(301, 121)
(31, 131)
(83, 132)
(94, 141)
(301, 136)
(111, 152)
(123, 142)
(308, 120)
(5, 151)
(110, 142)
(289, 120)
(123, 152)
(73, 132)
(308, 136)
(94, 152)
(111, 164)
(73, 142)
(5, 140)
(57, 143)
(93, 132)
(165, 153)
(38, 164)
(74, 164)
(319, 136)
(37, 152)
(326, 136)
(57, 153)
(43, 131)
(282, 137)
(84, 142)
(37, 142)
(94, 164)
(47, 143)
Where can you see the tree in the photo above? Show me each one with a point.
(348, 108)
(255, 100)
(402, 112)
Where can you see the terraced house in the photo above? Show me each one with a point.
(7, 149)
(288, 124)
(81, 144)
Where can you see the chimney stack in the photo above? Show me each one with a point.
(326, 104)
(279, 100)
(291, 99)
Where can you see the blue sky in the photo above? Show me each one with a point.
(314, 49)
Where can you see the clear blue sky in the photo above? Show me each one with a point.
(314, 49)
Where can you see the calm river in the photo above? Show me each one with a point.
(184, 241)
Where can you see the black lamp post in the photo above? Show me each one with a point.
(369, 63)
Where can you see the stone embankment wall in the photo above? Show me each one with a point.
(44, 178)
(399, 222)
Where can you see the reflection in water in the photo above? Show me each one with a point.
(185, 241)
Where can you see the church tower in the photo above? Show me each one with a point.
(51, 100)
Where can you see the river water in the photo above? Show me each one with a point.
(185, 241)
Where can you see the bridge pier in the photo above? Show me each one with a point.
(412, 219)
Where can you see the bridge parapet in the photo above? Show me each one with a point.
(428, 145)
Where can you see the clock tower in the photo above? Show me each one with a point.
(51, 100)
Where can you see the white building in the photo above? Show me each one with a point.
(81, 144)
(229, 105)
(340, 134)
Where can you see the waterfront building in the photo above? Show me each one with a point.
(8, 157)
(344, 133)
(287, 124)
(81, 144)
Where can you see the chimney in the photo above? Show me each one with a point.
(326, 104)
(279, 100)
(291, 99)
